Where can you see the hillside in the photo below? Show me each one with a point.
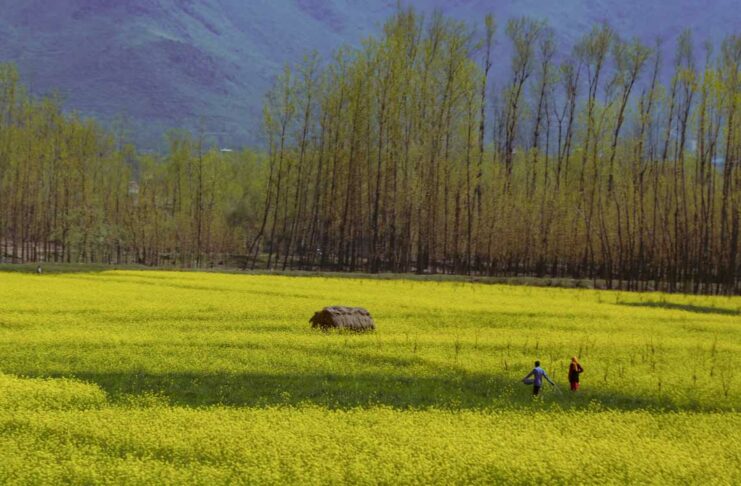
(177, 63)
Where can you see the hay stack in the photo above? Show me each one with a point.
(339, 317)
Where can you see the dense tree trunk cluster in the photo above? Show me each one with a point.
(591, 168)
(72, 192)
(406, 156)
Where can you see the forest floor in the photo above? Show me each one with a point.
(156, 377)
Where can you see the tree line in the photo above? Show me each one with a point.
(409, 155)
(73, 192)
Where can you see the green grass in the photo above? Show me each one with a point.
(170, 377)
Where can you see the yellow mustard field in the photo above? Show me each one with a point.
(133, 377)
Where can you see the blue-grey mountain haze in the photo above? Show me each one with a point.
(177, 63)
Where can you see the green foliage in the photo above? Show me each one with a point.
(404, 156)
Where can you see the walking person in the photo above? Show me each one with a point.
(538, 374)
(575, 369)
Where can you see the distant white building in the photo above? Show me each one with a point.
(133, 188)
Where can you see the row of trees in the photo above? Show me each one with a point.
(408, 155)
(73, 192)
(401, 157)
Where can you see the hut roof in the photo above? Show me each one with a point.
(341, 317)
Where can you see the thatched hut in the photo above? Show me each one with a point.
(339, 317)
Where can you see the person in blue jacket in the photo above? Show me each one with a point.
(538, 374)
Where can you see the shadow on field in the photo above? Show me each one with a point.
(338, 391)
(684, 307)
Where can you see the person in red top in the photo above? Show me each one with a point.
(575, 369)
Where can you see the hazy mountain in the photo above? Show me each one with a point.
(172, 63)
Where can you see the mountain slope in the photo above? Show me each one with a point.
(182, 63)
